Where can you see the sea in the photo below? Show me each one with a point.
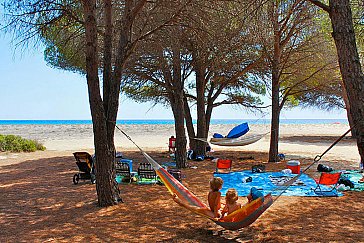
(171, 122)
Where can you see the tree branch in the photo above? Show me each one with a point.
(320, 5)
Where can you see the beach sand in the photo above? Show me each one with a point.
(39, 203)
(295, 140)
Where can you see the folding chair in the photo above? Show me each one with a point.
(146, 174)
(326, 185)
(123, 169)
(223, 165)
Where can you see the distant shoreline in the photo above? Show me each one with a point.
(171, 121)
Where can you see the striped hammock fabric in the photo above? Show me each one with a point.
(234, 221)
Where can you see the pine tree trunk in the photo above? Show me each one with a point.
(176, 97)
(179, 117)
(189, 125)
(209, 108)
(354, 131)
(104, 160)
(274, 134)
(201, 115)
(352, 75)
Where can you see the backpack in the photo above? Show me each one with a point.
(324, 168)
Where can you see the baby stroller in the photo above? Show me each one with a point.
(86, 167)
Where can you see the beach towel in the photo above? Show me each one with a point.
(272, 182)
(354, 176)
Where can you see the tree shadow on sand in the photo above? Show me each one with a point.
(317, 139)
(40, 203)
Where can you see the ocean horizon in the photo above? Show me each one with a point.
(171, 121)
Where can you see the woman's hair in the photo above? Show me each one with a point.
(216, 183)
(231, 196)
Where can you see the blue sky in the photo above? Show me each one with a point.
(32, 90)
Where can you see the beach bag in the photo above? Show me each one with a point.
(256, 194)
(258, 168)
(176, 174)
(199, 158)
(324, 168)
(119, 155)
(191, 154)
(346, 182)
(208, 148)
(248, 179)
(281, 157)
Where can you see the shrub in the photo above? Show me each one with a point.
(14, 143)
(39, 146)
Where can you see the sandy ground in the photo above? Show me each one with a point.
(39, 203)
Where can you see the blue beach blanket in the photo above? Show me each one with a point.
(268, 182)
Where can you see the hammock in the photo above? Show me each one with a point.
(236, 220)
(241, 141)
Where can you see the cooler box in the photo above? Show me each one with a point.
(294, 166)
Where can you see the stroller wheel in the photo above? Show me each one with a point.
(93, 179)
(76, 178)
